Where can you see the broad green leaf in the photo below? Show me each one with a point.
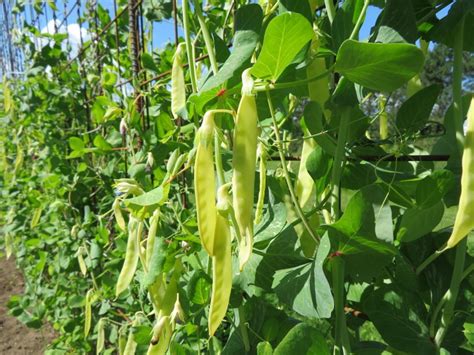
(400, 16)
(319, 163)
(302, 339)
(143, 205)
(305, 288)
(415, 111)
(417, 222)
(365, 232)
(199, 287)
(248, 23)
(284, 37)
(379, 66)
(445, 31)
(76, 143)
(313, 119)
(148, 63)
(399, 318)
(101, 143)
(264, 348)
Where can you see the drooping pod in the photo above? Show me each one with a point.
(262, 156)
(464, 221)
(129, 267)
(178, 86)
(205, 183)
(244, 162)
(221, 264)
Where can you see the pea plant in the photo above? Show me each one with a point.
(271, 183)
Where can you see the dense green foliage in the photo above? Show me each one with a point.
(345, 270)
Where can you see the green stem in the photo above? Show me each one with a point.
(453, 291)
(243, 329)
(330, 9)
(281, 152)
(291, 84)
(360, 20)
(189, 49)
(207, 37)
(339, 159)
(428, 261)
(461, 249)
(342, 345)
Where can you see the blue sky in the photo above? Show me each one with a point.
(163, 31)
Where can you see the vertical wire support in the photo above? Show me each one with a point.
(135, 54)
(81, 67)
(94, 6)
(143, 50)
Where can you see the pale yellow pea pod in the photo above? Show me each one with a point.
(244, 165)
(178, 85)
(464, 221)
(221, 275)
(118, 215)
(160, 341)
(88, 312)
(205, 183)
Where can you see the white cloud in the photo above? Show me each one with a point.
(74, 32)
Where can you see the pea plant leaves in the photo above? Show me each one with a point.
(379, 66)
(284, 37)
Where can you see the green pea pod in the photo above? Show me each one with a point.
(262, 153)
(80, 259)
(88, 312)
(100, 335)
(205, 183)
(131, 345)
(221, 275)
(464, 221)
(244, 162)
(118, 214)
(150, 242)
(122, 340)
(178, 86)
(129, 267)
(160, 340)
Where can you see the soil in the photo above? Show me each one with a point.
(15, 337)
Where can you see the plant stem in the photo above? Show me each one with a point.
(453, 291)
(189, 50)
(281, 152)
(360, 20)
(207, 37)
(339, 159)
(428, 261)
(461, 249)
(243, 329)
(330, 9)
(342, 345)
(291, 84)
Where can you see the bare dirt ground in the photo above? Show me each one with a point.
(16, 338)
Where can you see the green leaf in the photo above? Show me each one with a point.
(76, 143)
(264, 348)
(302, 339)
(313, 120)
(143, 205)
(379, 66)
(318, 163)
(248, 23)
(148, 63)
(415, 111)
(305, 288)
(417, 222)
(199, 288)
(284, 37)
(101, 143)
(399, 318)
(400, 16)
(365, 232)
(445, 31)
